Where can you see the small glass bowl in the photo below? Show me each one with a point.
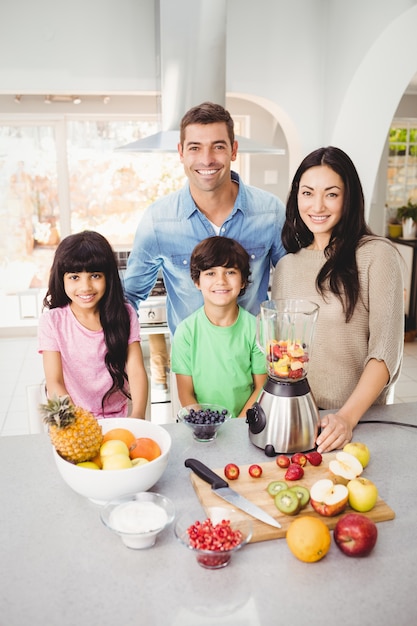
(138, 518)
(213, 559)
(203, 432)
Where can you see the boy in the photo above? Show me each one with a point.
(214, 352)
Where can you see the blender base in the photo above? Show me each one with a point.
(284, 419)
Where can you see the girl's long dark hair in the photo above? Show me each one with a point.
(339, 274)
(89, 251)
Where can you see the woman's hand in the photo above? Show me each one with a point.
(336, 432)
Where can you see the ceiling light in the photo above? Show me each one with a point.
(76, 100)
(106, 99)
(47, 100)
(17, 99)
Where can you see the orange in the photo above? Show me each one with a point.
(145, 448)
(121, 434)
(308, 538)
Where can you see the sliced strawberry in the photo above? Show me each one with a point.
(295, 373)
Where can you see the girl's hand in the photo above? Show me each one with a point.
(336, 432)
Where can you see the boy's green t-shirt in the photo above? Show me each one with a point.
(220, 359)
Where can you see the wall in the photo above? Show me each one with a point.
(327, 70)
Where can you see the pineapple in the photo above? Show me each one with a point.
(74, 432)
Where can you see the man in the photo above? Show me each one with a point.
(214, 202)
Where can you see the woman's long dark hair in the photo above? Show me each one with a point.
(89, 251)
(339, 274)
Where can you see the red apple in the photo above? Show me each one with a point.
(283, 460)
(255, 471)
(327, 498)
(355, 534)
(299, 458)
(231, 471)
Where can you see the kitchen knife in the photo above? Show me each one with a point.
(222, 489)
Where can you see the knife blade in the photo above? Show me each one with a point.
(222, 489)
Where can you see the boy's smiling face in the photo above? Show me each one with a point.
(220, 286)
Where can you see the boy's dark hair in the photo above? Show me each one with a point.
(89, 251)
(220, 252)
(207, 113)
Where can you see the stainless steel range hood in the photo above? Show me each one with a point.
(191, 37)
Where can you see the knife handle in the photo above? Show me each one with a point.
(205, 473)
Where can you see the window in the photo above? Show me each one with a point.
(402, 164)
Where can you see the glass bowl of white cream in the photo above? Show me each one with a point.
(138, 518)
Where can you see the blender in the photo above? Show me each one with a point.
(285, 417)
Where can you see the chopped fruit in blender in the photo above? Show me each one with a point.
(286, 359)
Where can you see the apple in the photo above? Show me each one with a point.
(231, 471)
(363, 494)
(88, 465)
(113, 446)
(299, 458)
(328, 499)
(283, 460)
(255, 471)
(116, 461)
(345, 467)
(355, 534)
(360, 450)
(139, 461)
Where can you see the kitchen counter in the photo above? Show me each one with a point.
(60, 566)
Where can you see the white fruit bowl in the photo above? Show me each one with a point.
(101, 486)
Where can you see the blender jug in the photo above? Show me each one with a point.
(285, 417)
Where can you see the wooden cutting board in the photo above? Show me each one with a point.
(254, 489)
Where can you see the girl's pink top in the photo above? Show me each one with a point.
(82, 352)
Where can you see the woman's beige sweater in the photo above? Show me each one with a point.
(341, 350)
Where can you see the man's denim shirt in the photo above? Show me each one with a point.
(172, 227)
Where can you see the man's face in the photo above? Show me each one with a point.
(206, 155)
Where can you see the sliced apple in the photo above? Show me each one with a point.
(328, 498)
(345, 467)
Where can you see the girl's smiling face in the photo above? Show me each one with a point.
(85, 289)
(320, 202)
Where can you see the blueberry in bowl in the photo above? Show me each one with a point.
(204, 420)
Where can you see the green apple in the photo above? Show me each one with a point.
(360, 450)
(140, 460)
(88, 464)
(113, 446)
(116, 462)
(363, 494)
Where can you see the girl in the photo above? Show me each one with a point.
(89, 337)
(214, 351)
(356, 279)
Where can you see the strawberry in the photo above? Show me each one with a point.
(294, 472)
(255, 471)
(314, 457)
(299, 458)
(231, 471)
(295, 373)
(283, 460)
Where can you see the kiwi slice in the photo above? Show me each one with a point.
(302, 493)
(276, 486)
(287, 501)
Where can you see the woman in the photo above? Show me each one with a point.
(355, 276)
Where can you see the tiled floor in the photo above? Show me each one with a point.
(21, 365)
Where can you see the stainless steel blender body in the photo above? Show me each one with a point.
(285, 417)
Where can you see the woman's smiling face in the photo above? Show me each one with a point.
(320, 202)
